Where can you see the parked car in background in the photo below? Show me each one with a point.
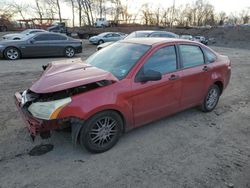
(201, 39)
(3, 28)
(40, 44)
(101, 22)
(143, 33)
(187, 37)
(58, 28)
(18, 36)
(126, 85)
(107, 37)
(150, 33)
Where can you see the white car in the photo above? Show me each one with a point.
(201, 39)
(18, 36)
(101, 22)
(187, 37)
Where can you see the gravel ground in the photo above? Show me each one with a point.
(190, 149)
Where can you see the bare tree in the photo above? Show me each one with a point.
(73, 6)
(19, 8)
(39, 10)
(245, 15)
(233, 18)
(54, 6)
(79, 12)
(222, 17)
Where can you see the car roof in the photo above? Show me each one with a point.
(46, 33)
(155, 41)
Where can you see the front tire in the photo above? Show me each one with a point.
(211, 99)
(101, 132)
(12, 53)
(100, 42)
(69, 52)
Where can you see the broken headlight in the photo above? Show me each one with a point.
(48, 110)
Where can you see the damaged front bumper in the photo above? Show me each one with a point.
(38, 126)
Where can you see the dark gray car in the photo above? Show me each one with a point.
(40, 45)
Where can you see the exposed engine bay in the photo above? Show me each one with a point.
(29, 96)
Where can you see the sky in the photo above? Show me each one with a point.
(228, 6)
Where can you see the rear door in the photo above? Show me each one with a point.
(195, 75)
(58, 43)
(155, 99)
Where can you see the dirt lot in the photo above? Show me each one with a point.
(190, 149)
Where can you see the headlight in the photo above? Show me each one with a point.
(48, 110)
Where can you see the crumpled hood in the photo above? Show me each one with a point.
(67, 74)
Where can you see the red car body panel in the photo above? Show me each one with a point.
(137, 102)
(60, 76)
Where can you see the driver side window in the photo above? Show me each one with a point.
(163, 60)
(108, 35)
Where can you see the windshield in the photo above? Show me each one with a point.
(118, 58)
(138, 34)
(103, 34)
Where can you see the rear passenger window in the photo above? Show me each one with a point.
(211, 57)
(42, 37)
(191, 55)
(163, 60)
(56, 37)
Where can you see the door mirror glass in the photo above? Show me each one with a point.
(149, 75)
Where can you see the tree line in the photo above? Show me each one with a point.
(85, 12)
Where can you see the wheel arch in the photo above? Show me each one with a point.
(69, 46)
(76, 132)
(13, 47)
(220, 85)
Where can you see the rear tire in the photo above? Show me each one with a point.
(12, 53)
(69, 52)
(101, 132)
(211, 99)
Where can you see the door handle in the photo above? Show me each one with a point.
(205, 68)
(173, 77)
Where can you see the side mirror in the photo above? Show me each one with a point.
(32, 41)
(150, 75)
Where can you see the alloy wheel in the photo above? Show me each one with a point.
(12, 54)
(70, 52)
(103, 131)
(212, 98)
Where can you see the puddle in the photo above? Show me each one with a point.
(41, 149)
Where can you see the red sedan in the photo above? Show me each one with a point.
(126, 85)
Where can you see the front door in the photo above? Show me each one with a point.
(155, 99)
(38, 46)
